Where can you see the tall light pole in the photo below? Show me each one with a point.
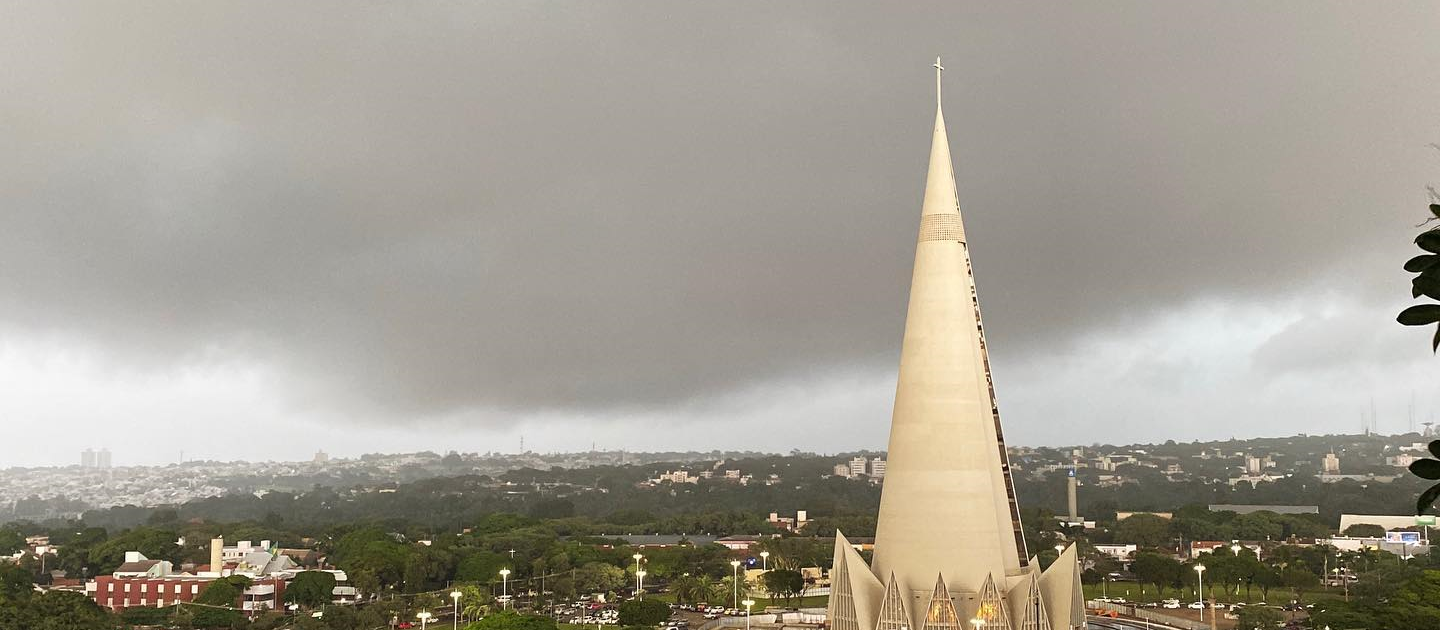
(424, 617)
(735, 582)
(765, 561)
(748, 603)
(505, 587)
(455, 617)
(1344, 576)
(638, 573)
(1200, 575)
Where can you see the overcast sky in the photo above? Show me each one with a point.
(254, 230)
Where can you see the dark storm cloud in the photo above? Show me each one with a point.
(598, 206)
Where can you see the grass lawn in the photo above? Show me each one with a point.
(812, 601)
(1131, 592)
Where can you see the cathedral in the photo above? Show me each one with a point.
(949, 551)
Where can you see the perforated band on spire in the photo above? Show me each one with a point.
(941, 227)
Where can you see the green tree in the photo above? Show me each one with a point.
(1144, 530)
(643, 612)
(310, 589)
(511, 620)
(1298, 580)
(365, 582)
(61, 610)
(731, 585)
(480, 566)
(685, 588)
(11, 540)
(1365, 530)
(428, 568)
(783, 583)
(155, 544)
(474, 601)
(596, 577)
(15, 582)
(1265, 579)
(225, 591)
(1258, 618)
(1153, 568)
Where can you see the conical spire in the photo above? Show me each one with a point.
(948, 504)
(940, 196)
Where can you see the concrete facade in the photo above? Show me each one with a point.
(948, 544)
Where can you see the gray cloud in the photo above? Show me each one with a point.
(428, 210)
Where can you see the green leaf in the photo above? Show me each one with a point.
(1426, 468)
(1421, 262)
(1435, 448)
(1435, 209)
(1426, 285)
(1435, 343)
(1427, 499)
(1429, 241)
(1420, 315)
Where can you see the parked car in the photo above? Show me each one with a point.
(1197, 605)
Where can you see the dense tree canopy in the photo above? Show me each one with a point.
(643, 612)
(310, 589)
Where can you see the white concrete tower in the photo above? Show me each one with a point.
(948, 544)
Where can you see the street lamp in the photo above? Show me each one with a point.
(764, 561)
(977, 622)
(735, 582)
(455, 615)
(748, 603)
(1200, 575)
(424, 617)
(638, 573)
(640, 584)
(504, 587)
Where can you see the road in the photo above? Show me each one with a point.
(1105, 623)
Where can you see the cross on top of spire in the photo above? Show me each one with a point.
(938, 69)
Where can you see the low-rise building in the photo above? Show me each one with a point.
(738, 543)
(1117, 551)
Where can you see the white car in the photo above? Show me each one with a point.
(1197, 605)
(1170, 603)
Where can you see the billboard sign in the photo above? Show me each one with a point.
(1402, 537)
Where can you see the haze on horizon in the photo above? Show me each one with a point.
(255, 230)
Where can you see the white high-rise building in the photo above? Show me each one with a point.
(858, 465)
(877, 468)
(1331, 465)
(949, 548)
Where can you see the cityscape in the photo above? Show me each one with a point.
(69, 492)
(815, 316)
